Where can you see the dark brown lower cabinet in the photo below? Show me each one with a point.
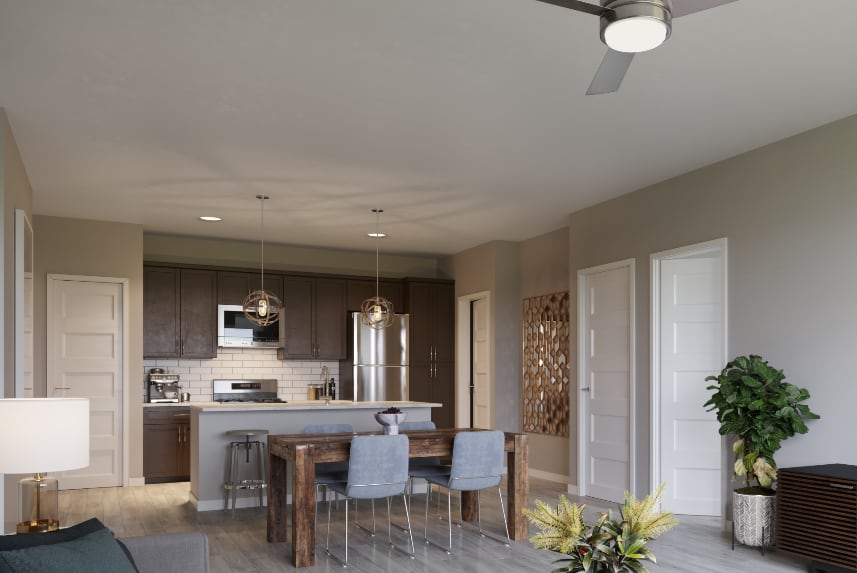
(166, 444)
(817, 515)
(434, 382)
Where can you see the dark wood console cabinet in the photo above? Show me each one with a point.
(817, 514)
(166, 444)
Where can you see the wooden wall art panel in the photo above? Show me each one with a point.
(546, 333)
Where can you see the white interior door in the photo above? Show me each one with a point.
(85, 354)
(606, 381)
(481, 365)
(691, 342)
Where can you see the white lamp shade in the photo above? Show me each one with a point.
(638, 34)
(40, 435)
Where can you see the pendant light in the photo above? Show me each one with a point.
(260, 306)
(377, 312)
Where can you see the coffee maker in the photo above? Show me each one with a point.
(163, 386)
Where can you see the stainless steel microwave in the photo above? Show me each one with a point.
(234, 330)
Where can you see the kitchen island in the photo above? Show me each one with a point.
(209, 445)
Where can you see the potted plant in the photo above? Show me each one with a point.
(611, 544)
(755, 404)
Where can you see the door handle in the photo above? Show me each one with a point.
(585, 389)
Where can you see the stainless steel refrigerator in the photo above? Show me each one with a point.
(377, 365)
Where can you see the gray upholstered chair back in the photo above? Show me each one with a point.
(328, 429)
(377, 466)
(477, 460)
(420, 425)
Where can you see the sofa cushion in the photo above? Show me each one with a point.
(87, 547)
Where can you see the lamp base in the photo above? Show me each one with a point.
(38, 504)
(38, 526)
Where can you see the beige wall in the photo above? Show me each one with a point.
(493, 268)
(15, 193)
(788, 211)
(544, 270)
(101, 249)
(223, 252)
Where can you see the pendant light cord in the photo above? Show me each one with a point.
(377, 243)
(262, 199)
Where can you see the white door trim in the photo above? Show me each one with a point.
(462, 360)
(52, 278)
(716, 245)
(581, 372)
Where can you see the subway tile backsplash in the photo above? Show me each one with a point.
(293, 376)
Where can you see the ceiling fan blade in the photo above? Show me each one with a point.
(685, 7)
(577, 5)
(610, 73)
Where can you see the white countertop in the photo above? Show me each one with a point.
(295, 405)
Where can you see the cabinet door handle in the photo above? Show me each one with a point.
(180, 433)
(182, 352)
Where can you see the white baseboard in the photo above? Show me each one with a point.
(134, 482)
(573, 489)
(557, 478)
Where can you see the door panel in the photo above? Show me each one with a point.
(330, 319)
(482, 394)
(198, 314)
(85, 361)
(606, 381)
(691, 348)
(296, 320)
(161, 333)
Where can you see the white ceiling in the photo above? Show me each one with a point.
(466, 120)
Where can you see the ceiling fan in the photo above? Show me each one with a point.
(631, 26)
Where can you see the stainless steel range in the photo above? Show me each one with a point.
(232, 391)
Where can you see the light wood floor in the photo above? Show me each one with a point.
(697, 545)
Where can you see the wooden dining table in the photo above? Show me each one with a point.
(297, 454)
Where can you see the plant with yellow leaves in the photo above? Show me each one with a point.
(611, 544)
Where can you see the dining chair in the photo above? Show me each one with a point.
(377, 468)
(477, 464)
(327, 473)
(419, 468)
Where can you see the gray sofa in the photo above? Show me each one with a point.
(170, 552)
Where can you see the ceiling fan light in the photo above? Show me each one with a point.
(638, 34)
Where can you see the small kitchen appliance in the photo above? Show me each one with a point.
(163, 386)
(236, 391)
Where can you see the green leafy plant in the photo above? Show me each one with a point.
(611, 544)
(755, 403)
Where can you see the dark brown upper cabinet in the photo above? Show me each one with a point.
(233, 286)
(313, 323)
(179, 313)
(359, 290)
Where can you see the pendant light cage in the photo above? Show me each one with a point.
(260, 306)
(377, 312)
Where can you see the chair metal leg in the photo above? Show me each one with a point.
(410, 532)
(234, 476)
(505, 521)
(449, 517)
(260, 467)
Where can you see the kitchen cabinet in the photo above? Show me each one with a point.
(431, 306)
(233, 287)
(360, 289)
(314, 317)
(179, 313)
(166, 444)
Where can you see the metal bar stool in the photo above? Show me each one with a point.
(259, 480)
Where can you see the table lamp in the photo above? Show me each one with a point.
(42, 435)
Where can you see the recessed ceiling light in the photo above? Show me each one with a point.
(209, 218)
(376, 235)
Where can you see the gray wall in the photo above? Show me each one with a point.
(788, 211)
